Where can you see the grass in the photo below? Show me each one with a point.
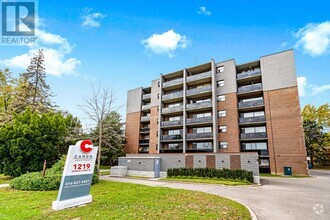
(104, 173)
(123, 201)
(283, 176)
(105, 167)
(4, 179)
(207, 180)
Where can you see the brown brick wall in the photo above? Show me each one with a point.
(231, 121)
(284, 130)
(235, 162)
(153, 130)
(189, 161)
(210, 161)
(132, 132)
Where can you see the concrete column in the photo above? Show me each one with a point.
(214, 107)
(184, 117)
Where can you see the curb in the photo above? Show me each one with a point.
(253, 215)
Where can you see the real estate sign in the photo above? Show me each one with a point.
(77, 176)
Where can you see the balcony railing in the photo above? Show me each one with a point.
(249, 73)
(199, 135)
(171, 137)
(143, 149)
(253, 135)
(198, 149)
(199, 120)
(144, 141)
(145, 118)
(172, 109)
(146, 96)
(171, 123)
(252, 119)
(144, 129)
(172, 96)
(250, 104)
(199, 90)
(172, 82)
(199, 76)
(145, 107)
(199, 105)
(250, 88)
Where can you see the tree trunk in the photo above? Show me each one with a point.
(100, 147)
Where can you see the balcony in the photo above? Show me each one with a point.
(250, 88)
(144, 142)
(250, 73)
(172, 96)
(250, 104)
(207, 119)
(146, 96)
(173, 149)
(171, 123)
(171, 137)
(260, 135)
(197, 91)
(199, 76)
(252, 120)
(193, 136)
(201, 105)
(145, 118)
(144, 149)
(173, 82)
(145, 107)
(172, 109)
(145, 129)
(196, 149)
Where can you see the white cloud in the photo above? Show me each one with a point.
(55, 48)
(204, 11)
(165, 43)
(314, 39)
(284, 44)
(306, 89)
(92, 19)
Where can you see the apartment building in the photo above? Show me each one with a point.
(221, 109)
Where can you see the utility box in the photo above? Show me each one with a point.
(118, 171)
(287, 171)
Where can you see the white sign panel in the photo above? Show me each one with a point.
(77, 176)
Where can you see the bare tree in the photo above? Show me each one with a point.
(96, 108)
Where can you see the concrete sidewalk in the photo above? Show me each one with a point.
(277, 198)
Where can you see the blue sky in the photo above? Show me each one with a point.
(126, 44)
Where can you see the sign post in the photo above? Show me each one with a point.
(77, 176)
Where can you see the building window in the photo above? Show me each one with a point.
(249, 130)
(223, 145)
(220, 69)
(264, 162)
(158, 84)
(220, 83)
(202, 146)
(158, 96)
(174, 146)
(221, 113)
(221, 98)
(223, 128)
(174, 132)
(202, 130)
(254, 146)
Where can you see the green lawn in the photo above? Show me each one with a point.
(207, 180)
(4, 179)
(123, 201)
(282, 176)
(105, 167)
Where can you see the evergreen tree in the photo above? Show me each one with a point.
(32, 90)
(7, 93)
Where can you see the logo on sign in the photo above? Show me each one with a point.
(86, 146)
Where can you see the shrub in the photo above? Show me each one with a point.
(212, 173)
(51, 181)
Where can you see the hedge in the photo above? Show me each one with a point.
(51, 181)
(212, 173)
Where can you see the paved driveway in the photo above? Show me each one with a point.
(277, 198)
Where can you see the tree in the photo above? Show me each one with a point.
(7, 88)
(113, 138)
(31, 139)
(96, 108)
(316, 141)
(321, 114)
(32, 89)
